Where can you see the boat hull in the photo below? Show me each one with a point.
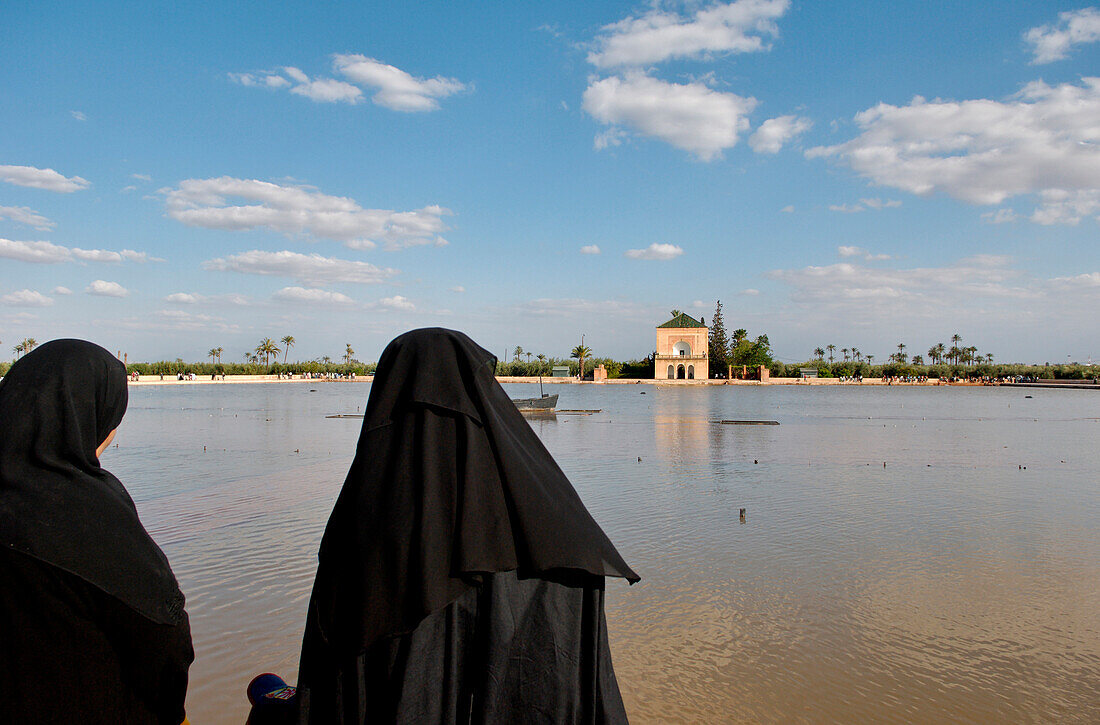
(545, 403)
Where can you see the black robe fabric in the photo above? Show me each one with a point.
(460, 577)
(93, 620)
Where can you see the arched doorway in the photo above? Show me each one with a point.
(691, 372)
(671, 373)
(679, 372)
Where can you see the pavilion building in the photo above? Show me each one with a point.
(682, 349)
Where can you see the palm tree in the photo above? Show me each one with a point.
(31, 343)
(518, 352)
(989, 358)
(830, 348)
(844, 352)
(219, 350)
(901, 352)
(819, 354)
(675, 313)
(935, 353)
(348, 352)
(326, 360)
(955, 340)
(918, 360)
(17, 349)
(581, 352)
(542, 361)
(267, 349)
(870, 359)
(288, 342)
(212, 353)
(857, 354)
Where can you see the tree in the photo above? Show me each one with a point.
(989, 358)
(266, 349)
(212, 353)
(844, 352)
(719, 343)
(542, 361)
(955, 340)
(918, 360)
(831, 349)
(819, 353)
(870, 359)
(288, 342)
(348, 352)
(17, 349)
(581, 352)
(738, 336)
(675, 313)
(901, 353)
(32, 343)
(518, 352)
(219, 350)
(857, 354)
(326, 360)
(935, 353)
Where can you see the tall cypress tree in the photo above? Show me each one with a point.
(719, 343)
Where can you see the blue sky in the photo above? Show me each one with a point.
(179, 177)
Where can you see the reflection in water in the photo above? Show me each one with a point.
(951, 585)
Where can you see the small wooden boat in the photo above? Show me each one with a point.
(545, 404)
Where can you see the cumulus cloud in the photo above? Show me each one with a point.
(789, 209)
(62, 291)
(23, 215)
(774, 133)
(1001, 216)
(300, 210)
(590, 249)
(659, 35)
(26, 298)
(689, 116)
(846, 208)
(656, 251)
(78, 115)
(864, 205)
(1043, 141)
(141, 177)
(312, 295)
(397, 90)
(101, 288)
(183, 298)
(49, 253)
(309, 269)
(393, 88)
(47, 179)
(846, 251)
(1053, 42)
(749, 292)
(397, 302)
(458, 288)
(321, 90)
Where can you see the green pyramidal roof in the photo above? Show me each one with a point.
(682, 320)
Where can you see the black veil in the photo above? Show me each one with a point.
(454, 521)
(57, 504)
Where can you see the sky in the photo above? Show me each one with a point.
(181, 176)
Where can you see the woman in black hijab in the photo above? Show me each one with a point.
(92, 626)
(460, 578)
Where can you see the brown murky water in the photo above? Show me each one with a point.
(952, 584)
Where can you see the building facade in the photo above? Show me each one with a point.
(682, 351)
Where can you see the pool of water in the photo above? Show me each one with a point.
(906, 555)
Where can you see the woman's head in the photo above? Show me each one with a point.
(63, 399)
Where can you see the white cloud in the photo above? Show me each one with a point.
(394, 88)
(458, 288)
(37, 252)
(1053, 42)
(689, 116)
(47, 179)
(62, 291)
(775, 132)
(846, 208)
(300, 210)
(127, 189)
(101, 288)
(656, 251)
(321, 90)
(590, 249)
(789, 209)
(880, 204)
(397, 90)
(1001, 216)
(397, 302)
(49, 253)
(660, 35)
(1044, 141)
(26, 298)
(141, 177)
(846, 251)
(78, 115)
(183, 298)
(309, 269)
(23, 215)
(312, 296)
(749, 292)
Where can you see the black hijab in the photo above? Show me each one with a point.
(449, 483)
(57, 504)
